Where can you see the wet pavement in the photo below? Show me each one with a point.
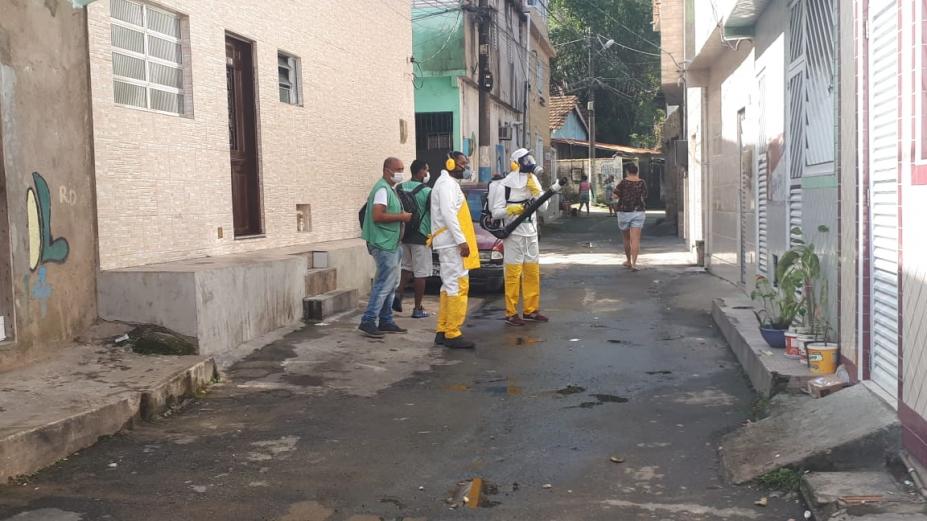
(612, 411)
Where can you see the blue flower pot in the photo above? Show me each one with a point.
(774, 337)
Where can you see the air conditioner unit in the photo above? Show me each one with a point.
(505, 132)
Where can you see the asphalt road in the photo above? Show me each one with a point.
(324, 425)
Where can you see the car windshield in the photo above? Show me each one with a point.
(475, 202)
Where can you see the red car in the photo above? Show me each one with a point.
(490, 276)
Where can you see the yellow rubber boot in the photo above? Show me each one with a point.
(442, 314)
(512, 288)
(457, 310)
(532, 288)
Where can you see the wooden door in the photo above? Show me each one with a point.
(246, 199)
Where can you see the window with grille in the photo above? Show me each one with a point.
(147, 57)
(288, 71)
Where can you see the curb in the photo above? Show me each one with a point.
(769, 375)
(33, 448)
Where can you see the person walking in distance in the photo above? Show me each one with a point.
(381, 229)
(631, 197)
(416, 257)
(585, 194)
(609, 190)
(521, 254)
(453, 238)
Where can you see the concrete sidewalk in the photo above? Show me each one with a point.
(52, 409)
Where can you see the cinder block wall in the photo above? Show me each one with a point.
(163, 181)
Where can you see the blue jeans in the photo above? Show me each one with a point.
(384, 285)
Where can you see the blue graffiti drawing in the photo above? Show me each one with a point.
(43, 247)
(42, 290)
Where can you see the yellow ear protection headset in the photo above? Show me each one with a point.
(450, 164)
(514, 166)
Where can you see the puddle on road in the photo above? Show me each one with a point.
(510, 390)
(571, 389)
(473, 493)
(522, 341)
(601, 399)
(609, 398)
(393, 501)
(303, 380)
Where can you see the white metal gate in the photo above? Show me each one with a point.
(883, 192)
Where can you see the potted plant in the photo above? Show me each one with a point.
(800, 268)
(780, 306)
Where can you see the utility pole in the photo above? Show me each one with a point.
(486, 82)
(590, 107)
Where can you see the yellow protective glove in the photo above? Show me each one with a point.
(514, 210)
(533, 186)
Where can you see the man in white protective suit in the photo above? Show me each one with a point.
(507, 200)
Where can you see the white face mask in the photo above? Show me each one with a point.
(426, 178)
(397, 177)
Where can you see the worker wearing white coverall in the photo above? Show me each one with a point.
(454, 240)
(522, 252)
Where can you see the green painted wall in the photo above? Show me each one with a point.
(440, 94)
(438, 46)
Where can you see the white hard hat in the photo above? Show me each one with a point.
(520, 153)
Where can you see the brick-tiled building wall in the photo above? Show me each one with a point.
(163, 182)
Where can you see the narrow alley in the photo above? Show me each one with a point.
(612, 411)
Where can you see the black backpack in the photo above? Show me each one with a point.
(409, 204)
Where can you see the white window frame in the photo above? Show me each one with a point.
(296, 81)
(148, 59)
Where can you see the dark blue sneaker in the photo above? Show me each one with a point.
(370, 329)
(419, 313)
(391, 328)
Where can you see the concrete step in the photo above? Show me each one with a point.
(845, 516)
(850, 429)
(768, 369)
(53, 409)
(321, 280)
(858, 494)
(327, 304)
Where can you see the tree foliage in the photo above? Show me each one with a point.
(627, 74)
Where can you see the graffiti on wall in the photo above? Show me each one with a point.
(43, 246)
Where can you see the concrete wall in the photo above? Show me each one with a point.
(47, 281)
(223, 301)
(728, 92)
(163, 182)
(849, 189)
(913, 265)
(694, 183)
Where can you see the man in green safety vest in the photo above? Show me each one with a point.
(381, 229)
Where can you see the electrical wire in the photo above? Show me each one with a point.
(450, 36)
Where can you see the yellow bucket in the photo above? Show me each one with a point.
(822, 357)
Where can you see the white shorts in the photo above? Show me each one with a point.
(520, 249)
(452, 269)
(417, 259)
